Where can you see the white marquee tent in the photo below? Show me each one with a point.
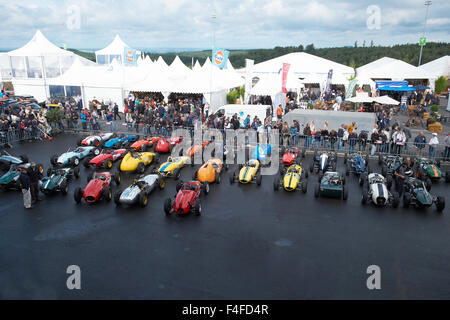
(389, 68)
(438, 67)
(115, 50)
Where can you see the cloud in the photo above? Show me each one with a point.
(239, 23)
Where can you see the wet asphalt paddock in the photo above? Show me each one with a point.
(250, 243)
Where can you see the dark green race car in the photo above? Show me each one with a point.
(332, 184)
(416, 194)
(57, 180)
(429, 171)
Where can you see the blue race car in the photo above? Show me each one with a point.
(262, 153)
(121, 142)
(359, 165)
(6, 160)
(73, 158)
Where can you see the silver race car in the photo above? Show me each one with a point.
(377, 192)
(139, 191)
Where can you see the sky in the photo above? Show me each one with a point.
(239, 24)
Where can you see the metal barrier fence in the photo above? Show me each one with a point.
(311, 143)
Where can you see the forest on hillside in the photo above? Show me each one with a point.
(355, 56)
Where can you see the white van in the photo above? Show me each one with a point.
(242, 110)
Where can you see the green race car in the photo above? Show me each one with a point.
(57, 180)
(429, 171)
(332, 184)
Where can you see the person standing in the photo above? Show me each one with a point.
(24, 181)
(419, 142)
(116, 112)
(432, 146)
(447, 147)
(34, 176)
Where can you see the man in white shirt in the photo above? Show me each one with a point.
(336, 106)
(432, 146)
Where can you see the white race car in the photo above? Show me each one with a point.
(96, 141)
(377, 192)
(140, 190)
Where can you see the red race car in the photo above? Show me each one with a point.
(165, 145)
(96, 141)
(187, 199)
(145, 144)
(291, 155)
(196, 148)
(98, 187)
(105, 159)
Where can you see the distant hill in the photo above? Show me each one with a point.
(350, 56)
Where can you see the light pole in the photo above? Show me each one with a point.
(427, 4)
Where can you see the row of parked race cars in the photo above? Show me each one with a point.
(136, 155)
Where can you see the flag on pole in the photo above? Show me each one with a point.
(248, 78)
(328, 87)
(286, 67)
(220, 58)
(130, 56)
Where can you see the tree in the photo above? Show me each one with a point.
(364, 44)
(310, 48)
(356, 44)
(440, 84)
(300, 48)
(371, 43)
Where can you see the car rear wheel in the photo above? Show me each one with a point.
(232, 178)
(117, 198)
(96, 151)
(365, 197)
(206, 188)
(156, 159)
(77, 195)
(440, 204)
(140, 168)
(117, 177)
(198, 208)
(54, 160)
(143, 199)
(24, 158)
(64, 187)
(304, 186)
(108, 164)
(75, 161)
(218, 178)
(179, 186)
(86, 162)
(168, 206)
(428, 184)
(194, 175)
(276, 183)
(108, 194)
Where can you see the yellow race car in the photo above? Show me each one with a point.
(292, 179)
(248, 173)
(137, 161)
(172, 168)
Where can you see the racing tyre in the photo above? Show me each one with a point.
(304, 186)
(389, 182)
(406, 200)
(276, 183)
(108, 194)
(395, 200)
(259, 179)
(168, 206)
(162, 183)
(144, 148)
(206, 188)
(76, 172)
(24, 158)
(306, 174)
(194, 175)
(116, 178)
(64, 187)
(177, 173)
(117, 198)
(365, 196)
(156, 159)
(86, 162)
(320, 176)
(75, 161)
(345, 193)
(54, 160)
(108, 164)
(217, 177)
(140, 168)
(143, 199)
(96, 143)
(232, 178)
(317, 191)
(440, 204)
(96, 151)
(198, 208)
(77, 195)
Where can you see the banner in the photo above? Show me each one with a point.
(130, 57)
(286, 67)
(350, 89)
(220, 58)
(248, 78)
(329, 80)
